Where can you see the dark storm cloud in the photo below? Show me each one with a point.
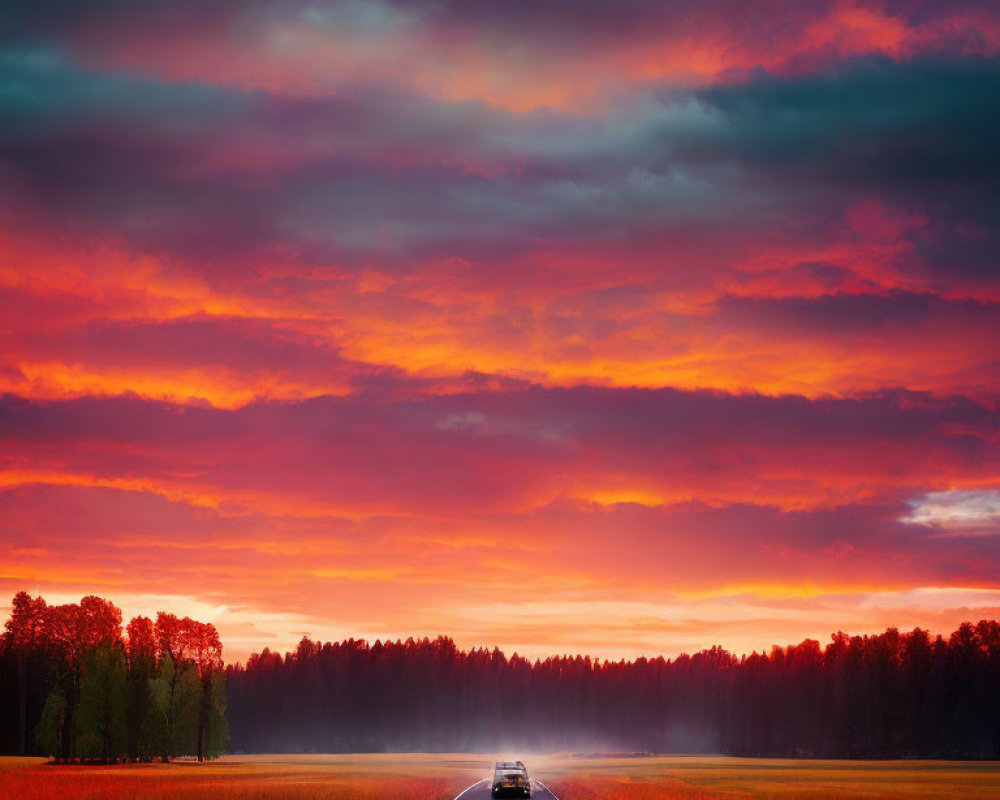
(48, 20)
(550, 423)
(853, 313)
(553, 23)
(237, 345)
(919, 135)
(200, 172)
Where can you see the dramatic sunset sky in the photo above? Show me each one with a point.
(567, 326)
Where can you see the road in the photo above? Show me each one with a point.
(481, 791)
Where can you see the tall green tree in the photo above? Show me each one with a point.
(24, 629)
(189, 644)
(100, 717)
(74, 632)
(216, 736)
(48, 732)
(176, 692)
(141, 721)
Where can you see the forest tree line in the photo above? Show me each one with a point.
(75, 686)
(889, 695)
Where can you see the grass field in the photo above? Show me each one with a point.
(441, 777)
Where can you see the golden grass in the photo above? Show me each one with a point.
(441, 777)
(717, 778)
(240, 778)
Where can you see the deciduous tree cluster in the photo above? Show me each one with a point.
(73, 685)
(885, 696)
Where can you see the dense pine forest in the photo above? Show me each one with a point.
(885, 696)
(75, 685)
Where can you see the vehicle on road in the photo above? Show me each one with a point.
(510, 779)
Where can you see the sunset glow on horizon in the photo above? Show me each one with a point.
(618, 329)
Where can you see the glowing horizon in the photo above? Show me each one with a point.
(555, 327)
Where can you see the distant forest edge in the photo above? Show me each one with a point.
(886, 696)
(74, 685)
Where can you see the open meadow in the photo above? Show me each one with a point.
(443, 776)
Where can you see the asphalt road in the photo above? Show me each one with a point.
(481, 791)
